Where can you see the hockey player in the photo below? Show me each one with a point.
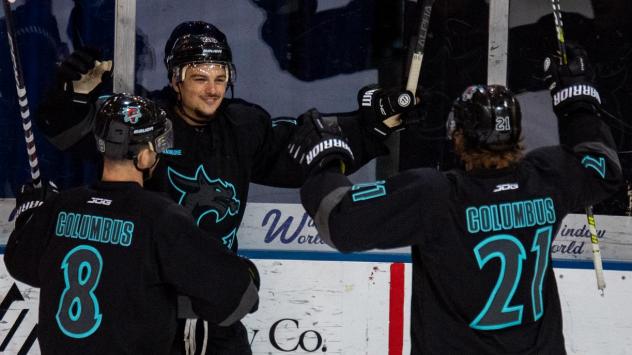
(111, 258)
(482, 276)
(221, 144)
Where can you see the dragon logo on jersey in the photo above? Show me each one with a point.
(204, 196)
(229, 239)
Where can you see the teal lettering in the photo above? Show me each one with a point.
(518, 214)
(107, 229)
(84, 227)
(495, 218)
(540, 217)
(116, 232)
(76, 224)
(471, 217)
(69, 223)
(529, 213)
(126, 234)
(550, 210)
(485, 219)
(505, 216)
(95, 228)
(61, 224)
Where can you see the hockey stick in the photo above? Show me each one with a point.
(123, 74)
(389, 165)
(594, 240)
(414, 72)
(22, 99)
(498, 42)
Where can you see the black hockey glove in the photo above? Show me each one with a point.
(29, 198)
(318, 142)
(572, 85)
(81, 73)
(377, 104)
(256, 279)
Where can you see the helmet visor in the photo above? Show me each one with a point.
(216, 72)
(165, 140)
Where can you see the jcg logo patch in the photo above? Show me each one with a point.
(505, 187)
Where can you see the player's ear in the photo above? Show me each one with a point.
(146, 158)
(174, 84)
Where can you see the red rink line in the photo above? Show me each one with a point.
(396, 310)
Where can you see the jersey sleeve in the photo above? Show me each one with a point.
(27, 243)
(67, 123)
(364, 144)
(273, 165)
(585, 169)
(396, 212)
(263, 144)
(216, 280)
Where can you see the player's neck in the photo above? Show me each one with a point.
(121, 172)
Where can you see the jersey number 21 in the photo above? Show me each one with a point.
(498, 312)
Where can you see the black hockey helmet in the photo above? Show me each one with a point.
(195, 42)
(488, 115)
(125, 124)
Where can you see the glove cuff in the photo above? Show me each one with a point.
(576, 97)
(382, 131)
(328, 145)
(576, 92)
(23, 208)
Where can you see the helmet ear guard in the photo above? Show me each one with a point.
(488, 116)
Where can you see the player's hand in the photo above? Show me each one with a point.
(82, 73)
(377, 105)
(29, 198)
(318, 142)
(571, 85)
(256, 279)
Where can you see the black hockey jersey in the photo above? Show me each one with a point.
(209, 168)
(110, 260)
(482, 276)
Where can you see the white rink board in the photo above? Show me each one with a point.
(347, 303)
(594, 324)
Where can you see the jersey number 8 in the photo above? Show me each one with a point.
(78, 315)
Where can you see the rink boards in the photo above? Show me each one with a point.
(316, 300)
